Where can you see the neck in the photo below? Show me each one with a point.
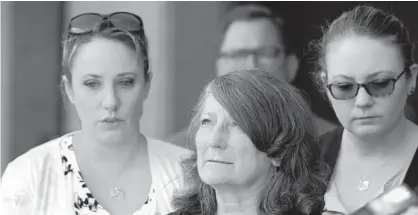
(380, 144)
(232, 203)
(237, 199)
(110, 152)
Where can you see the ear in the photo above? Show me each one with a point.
(413, 81)
(68, 89)
(323, 77)
(148, 85)
(292, 64)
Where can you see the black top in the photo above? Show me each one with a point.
(331, 144)
(188, 213)
(290, 212)
(181, 213)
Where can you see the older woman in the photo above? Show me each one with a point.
(108, 167)
(256, 150)
(367, 70)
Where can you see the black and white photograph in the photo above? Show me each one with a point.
(209, 108)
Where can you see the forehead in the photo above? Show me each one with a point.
(361, 56)
(249, 34)
(103, 55)
(212, 106)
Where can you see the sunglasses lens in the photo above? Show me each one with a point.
(85, 23)
(343, 91)
(381, 88)
(126, 21)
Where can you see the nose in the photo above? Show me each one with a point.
(111, 101)
(218, 137)
(251, 61)
(363, 99)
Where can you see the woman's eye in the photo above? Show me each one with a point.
(380, 83)
(344, 86)
(127, 83)
(92, 84)
(205, 121)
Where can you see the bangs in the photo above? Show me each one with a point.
(246, 104)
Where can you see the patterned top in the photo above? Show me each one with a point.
(46, 180)
(84, 201)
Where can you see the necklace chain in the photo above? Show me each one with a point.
(117, 192)
(364, 182)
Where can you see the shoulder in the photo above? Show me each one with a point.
(37, 157)
(166, 171)
(36, 167)
(323, 126)
(330, 144)
(166, 157)
(165, 150)
(331, 136)
(181, 213)
(179, 138)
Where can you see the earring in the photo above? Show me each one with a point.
(411, 91)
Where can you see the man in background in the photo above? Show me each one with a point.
(256, 38)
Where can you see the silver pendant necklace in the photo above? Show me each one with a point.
(117, 193)
(364, 185)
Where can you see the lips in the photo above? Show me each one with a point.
(111, 120)
(366, 118)
(219, 161)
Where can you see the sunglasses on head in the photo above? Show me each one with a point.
(375, 88)
(87, 23)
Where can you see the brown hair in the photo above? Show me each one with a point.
(278, 120)
(364, 21)
(138, 43)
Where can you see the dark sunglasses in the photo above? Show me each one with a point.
(87, 23)
(375, 88)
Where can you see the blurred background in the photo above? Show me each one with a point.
(184, 40)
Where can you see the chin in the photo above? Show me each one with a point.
(368, 130)
(214, 178)
(112, 135)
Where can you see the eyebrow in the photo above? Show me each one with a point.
(378, 73)
(368, 76)
(209, 114)
(92, 75)
(119, 75)
(127, 73)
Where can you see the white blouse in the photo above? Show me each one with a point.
(42, 182)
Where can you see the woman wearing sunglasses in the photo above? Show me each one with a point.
(108, 167)
(366, 68)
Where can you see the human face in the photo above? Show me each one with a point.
(226, 155)
(246, 39)
(108, 89)
(363, 59)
